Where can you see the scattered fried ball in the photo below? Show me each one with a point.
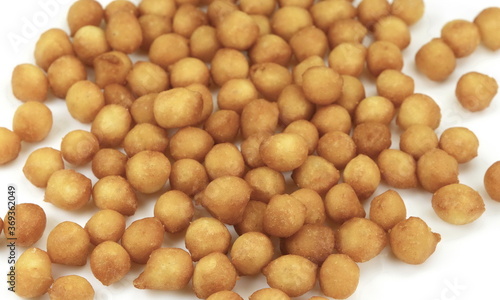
(187, 18)
(89, 42)
(26, 223)
(165, 8)
(299, 69)
(253, 217)
(212, 274)
(107, 162)
(293, 105)
(337, 147)
(175, 210)
(398, 168)
(10, 145)
(111, 67)
(292, 274)
(372, 11)
(436, 60)
(250, 149)
(168, 48)
(223, 126)
(228, 64)
(190, 142)
(218, 10)
(84, 101)
(51, 45)
(71, 287)
(459, 142)
(284, 151)
(265, 183)
(488, 23)
(475, 91)
(259, 116)
(178, 107)
(307, 130)
(284, 216)
(308, 41)
(203, 43)
(342, 204)
(417, 140)
(237, 30)
(281, 25)
(374, 109)
(316, 173)
(118, 94)
(410, 11)
(263, 23)
(109, 262)
(363, 174)
(346, 31)
(207, 99)
(353, 92)
(419, 109)
(462, 36)
(147, 78)
(153, 26)
(332, 118)
(156, 277)
(207, 235)
(491, 181)
(78, 147)
(269, 293)
(270, 79)
(412, 241)
(145, 136)
(435, 169)
(68, 244)
(84, 12)
(348, 59)
(338, 276)
(224, 160)
(187, 71)
(105, 225)
(68, 189)
(63, 73)
(148, 171)
(315, 208)
(33, 273)
(142, 237)
(111, 125)
(270, 48)
(251, 252)
(392, 29)
(40, 165)
(115, 192)
(123, 32)
(32, 123)
(29, 83)
(458, 204)
(322, 85)
(188, 176)
(313, 241)
(325, 14)
(235, 94)
(383, 55)
(387, 209)
(371, 138)
(395, 86)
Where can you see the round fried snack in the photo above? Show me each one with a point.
(203, 43)
(71, 287)
(361, 239)
(32, 121)
(322, 85)
(265, 183)
(488, 23)
(398, 168)
(224, 160)
(259, 116)
(123, 32)
(178, 107)
(270, 48)
(145, 136)
(409, 11)
(281, 25)
(250, 149)
(313, 241)
(383, 55)
(237, 30)
(253, 217)
(41, 164)
(492, 180)
(436, 60)
(148, 171)
(116, 193)
(342, 204)
(89, 42)
(392, 29)
(168, 48)
(63, 73)
(293, 274)
(395, 86)
(188, 176)
(212, 274)
(116, 93)
(51, 45)
(325, 14)
(190, 142)
(284, 151)
(111, 67)
(165, 8)
(147, 78)
(363, 175)
(459, 142)
(338, 276)
(225, 295)
(84, 12)
(152, 27)
(108, 162)
(235, 94)
(348, 59)
(105, 225)
(228, 64)
(187, 18)
(10, 145)
(315, 208)
(435, 169)
(387, 209)
(207, 235)
(251, 252)
(346, 31)
(84, 101)
(374, 109)
(371, 11)
(68, 244)
(78, 147)
(284, 216)
(111, 125)
(316, 173)
(187, 71)
(263, 23)
(475, 91)
(270, 79)
(353, 92)
(332, 118)
(30, 221)
(309, 41)
(299, 69)
(223, 126)
(29, 83)
(142, 237)
(458, 204)
(293, 105)
(269, 293)
(337, 147)
(109, 262)
(307, 130)
(68, 189)
(419, 109)
(157, 277)
(33, 273)
(462, 36)
(371, 138)
(412, 241)
(175, 210)
(417, 140)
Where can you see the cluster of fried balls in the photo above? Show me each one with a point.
(152, 123)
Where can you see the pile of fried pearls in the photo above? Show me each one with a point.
(287, 160)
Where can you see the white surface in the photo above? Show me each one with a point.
(466, 263)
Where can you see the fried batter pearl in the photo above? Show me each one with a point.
(29, 83)
(10, 145)
(342, 203)
(489, 25)
(436, 60)
(459, 142)
(491, 181)
(387, 209)
(458, 204)
(475, 91)
(462, 36)
(435, 169)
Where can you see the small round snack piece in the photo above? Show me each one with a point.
(51, 45)
(265, 183)
(269, 293)
(212, 274)
(284, 216)
(316, 173)
(203, 43)
(152, 27)
(395, 86)
(488, 23)
(348, 59)
(123, 32)
(111, 125)
(187, 18)
(107, 162)
(175, 210)
(315, 207)
(116, 193)
(417, 140)
(63, 73)
(338, 276)
(458, 204)
(325, 13)
(313, 241)
(218, 9)
(224, 160)
(84, 101)
(33, 273)
(253, 217)
(462, 36)
(189, 70)
(459, 142)
(228, 64)
(263, 23)
(90, 42)
(372, 11)
(78, 147)
(409, 11)
(337, 147)
(293, 105)
(353, 92)
(374, 109)
(84, 12)
(475, 91)
(435, 169)
(223, 125)
(363, 174)
(118, 94)
(371, 138)
(419, 109)
(387, 209)
(250, 149)
(30, 221)
(206, 98)
(270, 48)
(157, 277)
(398, 168)
(383, 55)
(361, 239)
(68, 189)
(294, 281)
(148, 171)
(111, 67)
(168, 48)
(492, 180)
(190, 142)
(322, 85)
(235, 94)
(251, 252)
(145, 136)
(105, 225)
(307, 130)
(146, 78)
(342, 204)
(178, 107)
(270, 79)
(392, 29)
(436, 60)
(109, 262)
(10, 145)
(309, 41)
(68, 244)
(32, 122)
(237, 30)
(207, 235)
(284, 151)
(165, 8)
(188, 176)
(40, 165)
(412, 241)
(259, 116)
(346, 31)
(71, 287)
(260, 7)
(29, 83)
(142, 237)
(281, 25)
(332, 118)
(299, 69)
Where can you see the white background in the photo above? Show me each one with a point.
(466, 263)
